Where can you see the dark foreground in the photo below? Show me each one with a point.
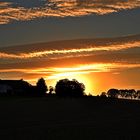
(53, 118)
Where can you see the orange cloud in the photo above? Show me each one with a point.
(63, 8)
(68, 72)
(54, 53)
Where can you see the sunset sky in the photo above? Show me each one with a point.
(96, 42)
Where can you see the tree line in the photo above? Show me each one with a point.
(65, 88)
(121, 93)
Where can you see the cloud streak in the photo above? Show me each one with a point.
(52, 54)
(62, 8)
(60, 72)
(80, 59)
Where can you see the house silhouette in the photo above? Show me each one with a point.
(18, 87)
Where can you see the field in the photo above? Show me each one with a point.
(55, 118)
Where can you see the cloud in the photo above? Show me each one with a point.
(60, 72)
(55, 60)
(83, 49)
(63, 8)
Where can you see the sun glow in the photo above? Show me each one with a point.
(80, 73)
(80, 76)
(84, 73)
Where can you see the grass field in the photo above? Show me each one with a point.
(67, 119)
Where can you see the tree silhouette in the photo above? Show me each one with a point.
(123, 92)
(113, 93)
(69, 88)
(103, 95)
(41, 87)
(131, 93)
(138, 94)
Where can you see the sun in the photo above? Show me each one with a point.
(80, 77)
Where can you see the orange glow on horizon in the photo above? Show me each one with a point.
(96, 77)
(86, 74)
(52, 80)
(82, 73)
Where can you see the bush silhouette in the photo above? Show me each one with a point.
(51, 89)
(69, 88)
